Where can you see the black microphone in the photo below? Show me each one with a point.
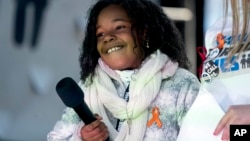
(72, 96)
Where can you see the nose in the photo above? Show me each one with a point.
(109, 38)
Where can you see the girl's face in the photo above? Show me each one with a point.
(115, 43)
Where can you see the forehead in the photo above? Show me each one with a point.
(111, 13)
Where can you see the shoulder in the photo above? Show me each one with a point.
(183, 81)
(185, 75)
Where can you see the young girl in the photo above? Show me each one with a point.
(133, 76)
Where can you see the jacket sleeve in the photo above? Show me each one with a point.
(67, 128)
(189, 86)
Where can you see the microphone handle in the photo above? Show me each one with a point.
(85, 114)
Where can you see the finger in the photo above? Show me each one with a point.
(88, 132)
(93, 125)
(225, 134)
(222, 123)
(106, 136)
(102, 132)
(98, 117)
(100, 137)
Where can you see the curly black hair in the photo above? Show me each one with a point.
(161, 33)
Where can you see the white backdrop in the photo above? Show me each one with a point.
(26, 114)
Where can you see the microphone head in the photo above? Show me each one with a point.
(69, 92)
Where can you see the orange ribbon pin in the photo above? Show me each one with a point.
(220, 40)
(155, 117)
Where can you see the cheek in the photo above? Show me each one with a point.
(98, 48)
(138, 52)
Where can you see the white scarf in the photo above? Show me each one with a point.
(143, 90)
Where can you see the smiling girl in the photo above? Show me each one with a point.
(134, 76)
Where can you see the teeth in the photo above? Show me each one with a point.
(113, 49)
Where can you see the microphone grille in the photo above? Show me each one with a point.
(69, 91)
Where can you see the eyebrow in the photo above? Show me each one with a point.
(115, 20)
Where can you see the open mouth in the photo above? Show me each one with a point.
(114, 49)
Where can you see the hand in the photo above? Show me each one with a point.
(95, 131)
(236, 114)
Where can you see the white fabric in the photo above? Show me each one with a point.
(143, 89)
(65, 133)
(125, 75)
(201, 119)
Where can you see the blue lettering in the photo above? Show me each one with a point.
(228, 39)
(216, 62)
(235, 65)
(222, 65)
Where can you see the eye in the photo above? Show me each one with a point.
(99, 35)
(120, 27)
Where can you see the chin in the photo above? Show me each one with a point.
(122, 64)
(118, 67)
(122, 67)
